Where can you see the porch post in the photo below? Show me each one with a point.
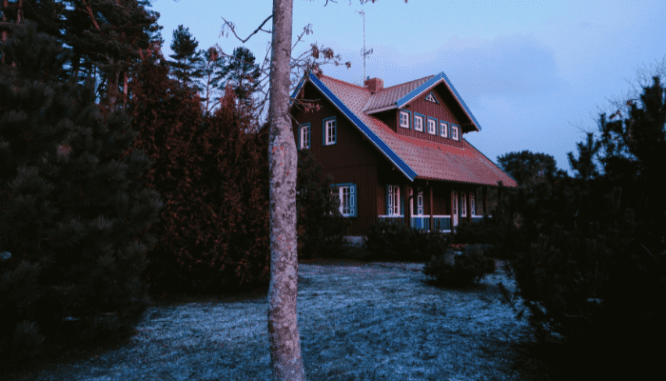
(432, 220)
(408, 210)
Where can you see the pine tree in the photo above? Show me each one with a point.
(242, 75)
(211, 67)
(72, 217)
(585, 166)
(186, 58)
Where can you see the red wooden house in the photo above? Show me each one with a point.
(397, 153)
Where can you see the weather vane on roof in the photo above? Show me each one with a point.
(364, 52)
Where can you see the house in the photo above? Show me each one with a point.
(397, 153)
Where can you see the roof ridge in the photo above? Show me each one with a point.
(345, 83)
(406, 83)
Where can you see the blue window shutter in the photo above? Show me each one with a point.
(298, 137)
(353, 208)
(335, 129)
(323, 135)
(402, 204)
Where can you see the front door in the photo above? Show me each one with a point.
(454, 208)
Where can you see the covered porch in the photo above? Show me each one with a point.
(435, 206)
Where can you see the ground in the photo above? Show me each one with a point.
(357, 320)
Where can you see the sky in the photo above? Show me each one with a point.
(535, 74)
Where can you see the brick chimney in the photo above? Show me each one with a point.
(374, 84)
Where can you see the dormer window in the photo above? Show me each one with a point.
(443, 129)
(404, 119)
(418, 123)
(432, 126)
(454, 132)
(431, 98)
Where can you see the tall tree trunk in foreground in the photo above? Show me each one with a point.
(284, 339)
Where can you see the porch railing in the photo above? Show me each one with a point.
(421, 222)
(441, 223)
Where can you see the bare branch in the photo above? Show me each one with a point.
(232, 27)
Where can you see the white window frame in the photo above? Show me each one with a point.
(305, 132)
(419, 204)
(454, 133)
(432, 126)
(418, 126)
(330, 131)
(406, 115)
(463, 207)
(348, 199)
(393, 199)
(472, 204)
(444, 129)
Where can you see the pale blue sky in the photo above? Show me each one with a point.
(535, 74)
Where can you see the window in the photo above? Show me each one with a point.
(443, 130)
(454, 132)
(431, 98)
(463, 207)
(454, 206)
(419, 204)
(393, 200)
(472, 206)
(347, 194)
(304, 136)
(404, 119)
(418, 123)
(330, 131)
(432, 126)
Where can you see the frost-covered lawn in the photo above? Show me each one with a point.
(358, 321)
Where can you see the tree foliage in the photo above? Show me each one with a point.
(213, 234)
(595, 271)
(73, 216)
(528, 167)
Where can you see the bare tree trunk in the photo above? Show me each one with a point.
(284, 339)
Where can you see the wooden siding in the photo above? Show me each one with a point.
(352, 159)
(444, 111)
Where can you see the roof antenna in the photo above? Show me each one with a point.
(364, 52)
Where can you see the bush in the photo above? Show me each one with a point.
(74, 212)
(457, 269)
(491, 266)
(321, 228)
(213, 173)
(398, 242)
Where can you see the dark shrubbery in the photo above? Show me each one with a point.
(595, 271)
(397, 242)
(491, 266)
(457, 269)
(73, 215)
(213, 173)
(321, 228)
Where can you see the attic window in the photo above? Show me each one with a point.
(418, 123)
(432, 126)
(404, 119)
(431, 98)
(454, 132)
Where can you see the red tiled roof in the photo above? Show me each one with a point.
(428, 159)
(389, 96)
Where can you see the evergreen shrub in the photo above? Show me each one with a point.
(213, 174)
(391, 241)
(457, 269)
(72, 215)
(321, 227)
